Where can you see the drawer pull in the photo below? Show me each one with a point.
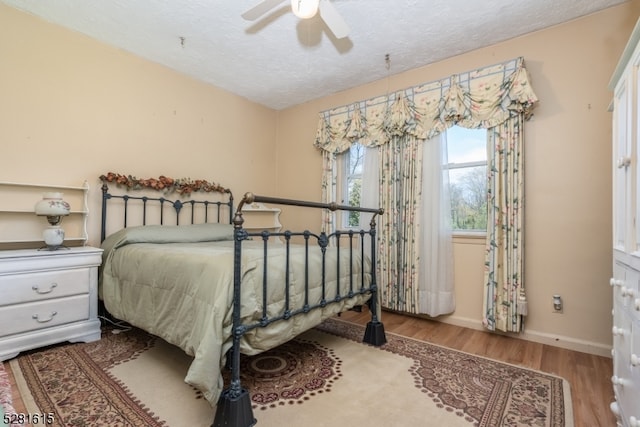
(618, 331)
(618, 381)
(616, 282)
(627, 292)
(635, 360)
(623, 162)
(37, 318)
(42, 292)
(615, 408)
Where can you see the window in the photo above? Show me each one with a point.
(467, 166)
(467, 157)
(351, 163)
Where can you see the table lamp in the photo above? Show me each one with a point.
(54, 208)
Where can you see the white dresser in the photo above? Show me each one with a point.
(625, 282)
(48, 297)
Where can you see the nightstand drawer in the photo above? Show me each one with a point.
(22, 288)
(20, 318)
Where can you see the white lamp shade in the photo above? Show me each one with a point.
(52, 205)
(304, 8)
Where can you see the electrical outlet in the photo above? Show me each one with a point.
(557, 304)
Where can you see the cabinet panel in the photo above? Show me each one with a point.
(622, 164)
(634, 359)
(625, 294)
(621, 332)
(629, 396)
(43, 314)
(632, 135)
(45, 285)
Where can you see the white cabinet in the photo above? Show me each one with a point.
(625, 282)
(259, 217)
(48, 297)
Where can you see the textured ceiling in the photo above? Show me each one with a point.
(279, 60)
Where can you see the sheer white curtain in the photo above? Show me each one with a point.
(436, 294)
(435, 277)
(370, 198)
(370, 191)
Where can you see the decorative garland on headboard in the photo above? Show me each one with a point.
(183, 186)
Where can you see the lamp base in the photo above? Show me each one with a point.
(53, 236)
(53, 248)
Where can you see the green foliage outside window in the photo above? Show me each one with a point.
(468, 194)
(354, 165)
(354, 200)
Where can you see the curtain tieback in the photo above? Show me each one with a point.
(522, 308)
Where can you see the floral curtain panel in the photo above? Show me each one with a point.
(505, 302)
(484, 98)
(399, 241)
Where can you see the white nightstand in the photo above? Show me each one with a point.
(48, 297)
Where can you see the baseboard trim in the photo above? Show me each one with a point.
(561, 341)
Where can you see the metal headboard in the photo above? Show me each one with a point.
(213, 210)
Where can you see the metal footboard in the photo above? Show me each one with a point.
(234, 405)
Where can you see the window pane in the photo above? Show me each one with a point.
(466, 145)
(353, 181)
(356, 159)
(355, 185)
(468, 192)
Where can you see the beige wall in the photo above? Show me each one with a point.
(568, 173)
(72, 108)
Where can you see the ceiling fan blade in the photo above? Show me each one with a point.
(332, 18)
(260, 9)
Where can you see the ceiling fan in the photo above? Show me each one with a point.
(305, 9)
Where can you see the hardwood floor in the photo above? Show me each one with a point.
(589, 375)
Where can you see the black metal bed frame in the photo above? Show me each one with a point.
(234, 405)
(160, 203)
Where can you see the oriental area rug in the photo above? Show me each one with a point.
(325, 377)
(6, 401)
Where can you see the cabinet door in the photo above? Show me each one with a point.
(632, 135)
(622, 125)
(635, 368)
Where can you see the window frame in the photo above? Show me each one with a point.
(460, 232)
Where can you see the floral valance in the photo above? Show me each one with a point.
(481, 98)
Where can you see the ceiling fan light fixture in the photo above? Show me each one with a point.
(304, 9)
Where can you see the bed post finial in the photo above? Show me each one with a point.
(249, 197)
